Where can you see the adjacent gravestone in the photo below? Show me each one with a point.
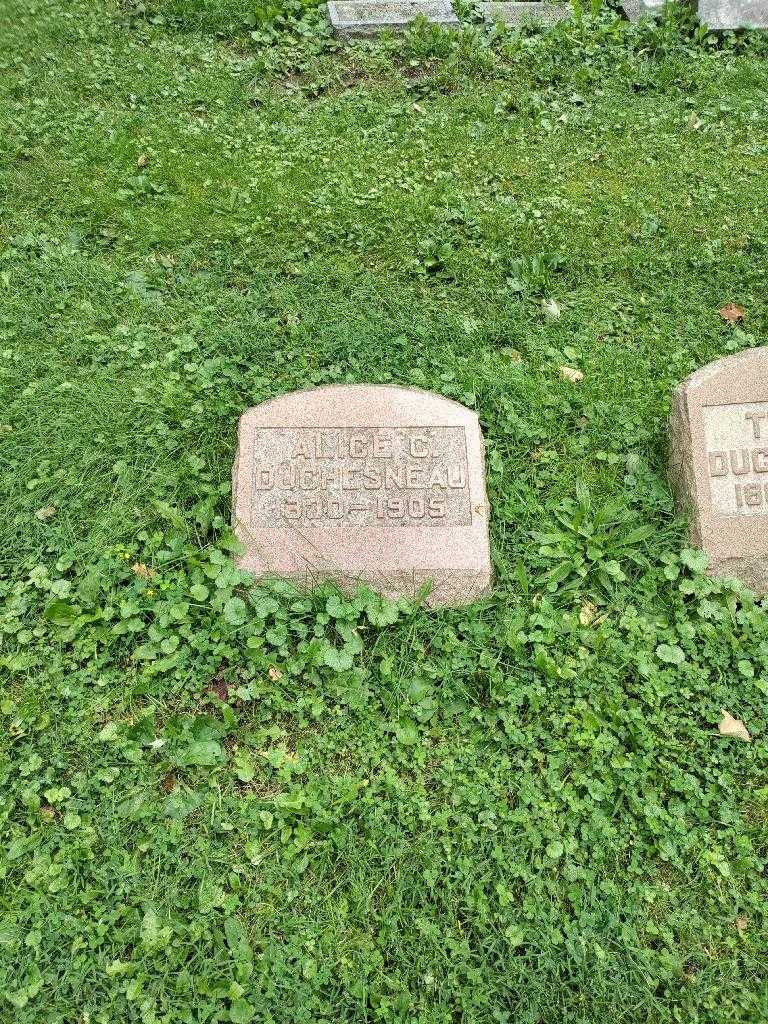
(636, 9)
(360, 18)
(520, 13)
(716, 14)
(719, 463)
(734, 13)
(365, 484)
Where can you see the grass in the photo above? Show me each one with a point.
(227, 804)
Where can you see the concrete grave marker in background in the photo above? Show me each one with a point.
(734, 13)
(527, 11)
(716, 14)
(361, 18)
(719, 463)
(365, 484)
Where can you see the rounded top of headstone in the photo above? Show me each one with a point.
(365, 405)
(741, 372)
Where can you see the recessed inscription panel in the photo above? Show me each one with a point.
(400, 477)
(736, 438)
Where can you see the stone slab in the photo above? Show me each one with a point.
(719, 463)
(637, 9)
(529, 11)
(360, 18)
(365, 484)
(734, 13)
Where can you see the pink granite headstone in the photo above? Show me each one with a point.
(383, 486)
(719, 463)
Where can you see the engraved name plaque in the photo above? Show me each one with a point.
(737, 457)
(365, 484)
(719, 463)
(351, 476)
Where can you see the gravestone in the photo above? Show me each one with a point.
(636, 9)
(520, 13)
(360, 18)
(716, 14)
(364, 484)
(719, 463)
(734, 13)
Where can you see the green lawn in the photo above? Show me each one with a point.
(222, 804)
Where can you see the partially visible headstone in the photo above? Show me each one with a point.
(365, 484)
(636, 9)
(719, 463)
(533, 11)
(361, 18)
(734, 13)
(717, 14)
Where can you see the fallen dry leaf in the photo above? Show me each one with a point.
(274, 673)
(574, 376)
(730, 726)
(732, 313)
(46, 513)
(588, 613)
(143, 570)
(511, 354)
